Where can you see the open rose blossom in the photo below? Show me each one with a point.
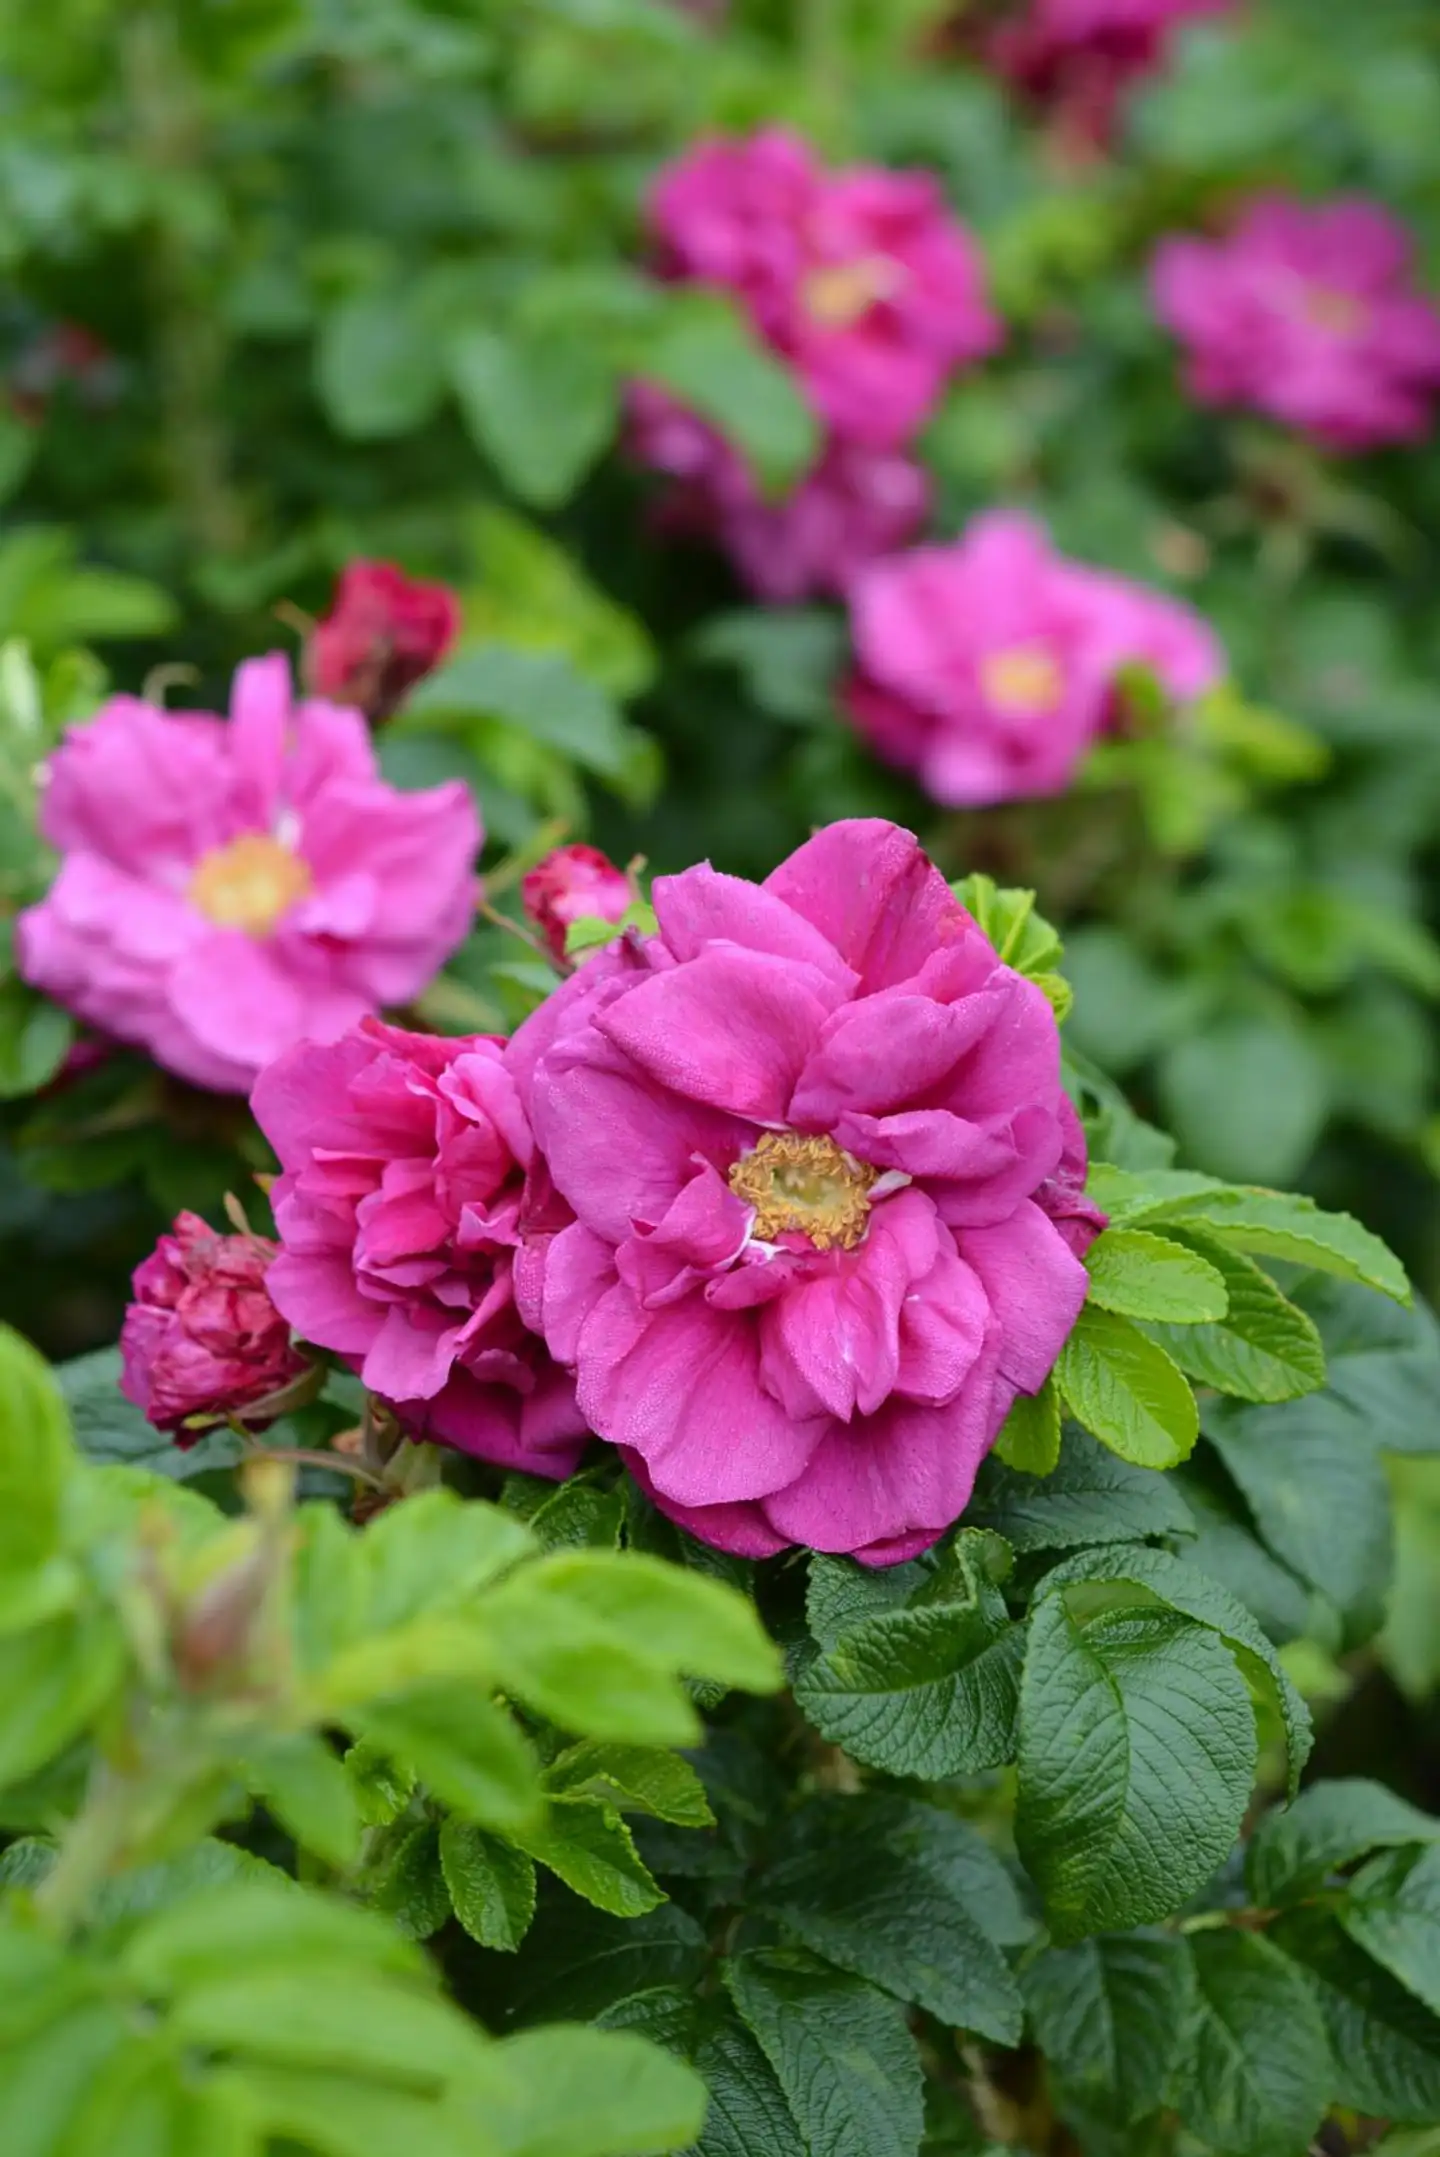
(202, 1337)
(574, 883)
(989, 667)
(1076, 57)
(855, 505)
(861, 278)
(404, 1162)
(384, 632)
(227, 889)
(1306, 311)
(822, 1196)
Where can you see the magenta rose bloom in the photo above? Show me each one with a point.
(1077, 57)
(228, 889)
(813, 1146)
(855, 506)
(404, 1161)
(202, 1337)
(989, 667)
(574, 883)
(1306, 311)
(384, 632)
(861, 278)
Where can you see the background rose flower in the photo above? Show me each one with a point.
(855, 506)
(803, 1134)
(202, 1337)
(1305, 311)
(226, 890)
(862, 278)
(1077, 57)
(571, 884)
(988, 667)
(404, 1162)
(384, 632)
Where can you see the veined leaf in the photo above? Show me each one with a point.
(1138, 1274)
(1127, 1391)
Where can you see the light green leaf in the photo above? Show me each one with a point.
(1137, 1755)
(349, 2115)
(540, 407)
(406, 1881)
(1029, 1439)
(591, 1849)
(589, 2093)
(1264, 1349)
(306, 1787)
(1258, 2077)
(1393, 1912)
(634, 1778)
(207, 1933)
(540, 693)
(705, 353)
(1140, 1275)
(43, 2081)
(470, 1753)
(432, 1553)
(1272, 1224)
(339, 2021)
(1091, 1497)
(54, 1679)
(841, 2053)
(491, 1884)
(34, 1037)
(377, 369)
(1127, 1391)
(37, 1456)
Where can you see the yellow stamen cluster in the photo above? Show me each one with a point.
(837, 294)
(1343, 314)
(249, 883)
(809, 1185)
(1023, 682)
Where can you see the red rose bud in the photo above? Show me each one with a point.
(384, 632)
(202, 1338)
(575, 883)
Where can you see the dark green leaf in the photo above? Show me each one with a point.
(540, 693)
(1393, 1912)
(747, 2113)
(1385, 2044)
(1091, 1497)
(1109, 2015)
(541, 407)
(591, 1849)
(929, 1692)
(376, 366)
(110, 1429)
(841, 2053)
(1257, 2076)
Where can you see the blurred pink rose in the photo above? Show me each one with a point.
(856, 505)
(862, 278)
(202, 1337)
(813, 1153)
(1306, 311)
(384, 632)
(404, 1161)
(228, 889)
(988, 667)
(574, 883)
(1076, 57)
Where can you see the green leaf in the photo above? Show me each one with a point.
(1318, 1492)
(432, 1553)
(310, 1794)
(539, 693)
(34, 1037)
(857, 1889)
(383, 1789)
(43, 2081)
(540, 407)
(1246, 1095)
(204, 1933)
(1264, 1349)
(377, 369)
(841, 2053)
(1393, 1912)
(1141, 1275)
(491, 1884)
(1127, 1391)
(1258, 2077)
(1385, 2043)
(1091, 1497)
(589, 2093)
(1029, 1439)
(345, 2115)
(406, 1882)
(634, 1778)
(706, 354)
(1021, 937)
(36, 1457)
(788, 658)
(591, 1849)
(1137, 1756)
(469, 1752)
(1109, 2015)
(110, 1430)
(1182, 1587)
(747, 2112)
(54, 1679)
(1270, 1224)
(929, 1692)
(1226, 1548)
(578, 1961)
(339, 2021)
(1383, 1360)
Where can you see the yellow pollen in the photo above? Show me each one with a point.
(1024, 682)
(249, 883)
(837, 294)
(1343, 314)
(805, 1184)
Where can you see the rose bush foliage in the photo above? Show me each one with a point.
(909, 530)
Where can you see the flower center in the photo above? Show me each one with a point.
(1023, 682)
(809, 1185)
(837, 294)
(1341, 313)
(249, 883)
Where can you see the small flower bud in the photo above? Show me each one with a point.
(575, 883)
(384, 632)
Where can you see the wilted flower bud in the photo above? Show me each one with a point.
(202, 1337)
(384, 632)
(575, 883)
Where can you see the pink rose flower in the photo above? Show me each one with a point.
(384, 632)
(202, 1337)
(226, 890)
(404, 1161)
(989, 667)
(574, 883)
(809, 1139)
(1306, 311)
(861, 278)
(854, 507)
(1076, 57)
